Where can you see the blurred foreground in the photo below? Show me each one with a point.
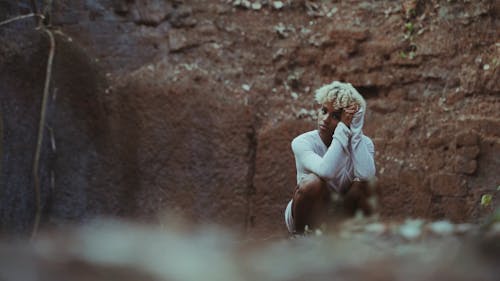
(360, 249)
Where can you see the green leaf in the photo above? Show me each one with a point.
(486, 200)
(409, 27)
(498, 188)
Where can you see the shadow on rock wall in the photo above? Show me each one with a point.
(74, 130)
(145, 147)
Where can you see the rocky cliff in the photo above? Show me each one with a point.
(190, 106)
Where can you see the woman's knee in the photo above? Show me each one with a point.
(312, 187)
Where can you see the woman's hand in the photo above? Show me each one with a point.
(348, 114)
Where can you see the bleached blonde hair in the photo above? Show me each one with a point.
(341, 95)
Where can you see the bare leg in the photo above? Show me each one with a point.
(357, 198)
(310, 203)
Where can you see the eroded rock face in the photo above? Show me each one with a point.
(177, 105)
(275, 179)
(183, 147)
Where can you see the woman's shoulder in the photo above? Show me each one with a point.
(308, 136)
(306, 139)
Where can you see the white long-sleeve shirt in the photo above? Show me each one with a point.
(349, 156)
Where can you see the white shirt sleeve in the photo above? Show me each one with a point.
(362, 149)
(332, 164)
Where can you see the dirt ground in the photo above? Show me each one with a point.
(363, 250)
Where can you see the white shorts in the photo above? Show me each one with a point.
(289, 218)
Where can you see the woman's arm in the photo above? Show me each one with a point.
(362, 148)
(333, 163)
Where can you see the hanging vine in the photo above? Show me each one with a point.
(40, 24)
(41, 127)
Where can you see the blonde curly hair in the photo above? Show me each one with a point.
(341, 95)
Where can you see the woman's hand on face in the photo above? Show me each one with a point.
(353, 108)
(346, 118)
(348, 114)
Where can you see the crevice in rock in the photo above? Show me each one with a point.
(151, 23)
(368, 92)
(252, 154)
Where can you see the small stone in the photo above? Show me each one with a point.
(411, 229)
(246, 3)
(294, 95)
(463, 228)
(375, 228)
(302, 113)
(441, 228)
(246, 87)
(177, 40)
(278, 5)
(280, 51)
(412, 124)
(256, 6)
(486, 67)
(282, 31)
(332, 12)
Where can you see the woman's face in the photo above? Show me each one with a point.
(328, 118)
